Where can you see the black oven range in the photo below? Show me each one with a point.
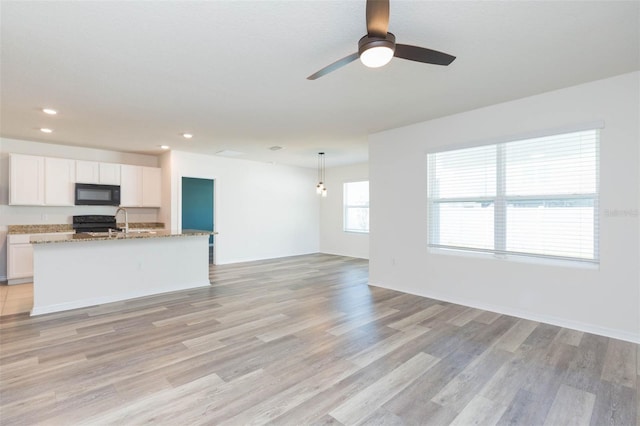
(94, 223)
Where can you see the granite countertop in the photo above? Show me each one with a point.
(39, 229)
(52, 229)
(103, 236)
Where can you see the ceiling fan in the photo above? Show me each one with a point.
(378, 46)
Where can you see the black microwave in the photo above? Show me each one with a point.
(88, 194)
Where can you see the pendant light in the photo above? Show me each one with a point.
(321, 189)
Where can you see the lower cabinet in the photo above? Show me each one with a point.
(20, 258)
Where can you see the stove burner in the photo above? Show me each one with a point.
(94, 223)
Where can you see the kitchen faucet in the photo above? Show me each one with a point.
(126, 218)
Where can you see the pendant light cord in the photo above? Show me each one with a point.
(321, 186)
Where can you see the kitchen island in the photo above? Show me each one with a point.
(80, 270)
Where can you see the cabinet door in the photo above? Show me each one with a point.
(26, 180)
(20, 261)
(151, 187)
(87, 172)
(130, 186)
(109, 174)
(59, 181)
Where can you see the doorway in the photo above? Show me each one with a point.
(197, 207)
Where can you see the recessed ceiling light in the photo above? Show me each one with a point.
(275, 148)
(45, 130)
(187, 135)
(164, 147)
(49, 111)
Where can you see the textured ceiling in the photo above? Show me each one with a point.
(131, 76)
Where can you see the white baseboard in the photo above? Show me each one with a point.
(344, 255)
(41, 310)
(15, 281)
(531, 316)
(254, 259)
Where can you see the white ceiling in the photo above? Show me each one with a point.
(131, 76)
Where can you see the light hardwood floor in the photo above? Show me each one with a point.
(15, 299)
(304, 340)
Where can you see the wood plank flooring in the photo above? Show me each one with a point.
(16, 299)
(305, 341)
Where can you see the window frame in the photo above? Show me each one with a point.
(346, 207)
(501, 200)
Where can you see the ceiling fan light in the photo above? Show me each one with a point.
(377, 56)
(376, 51)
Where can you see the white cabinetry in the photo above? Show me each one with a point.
(99, 173)
(40, 181)
(151, 187)
(140, 186)
(130, 186)
(87, 172)
(109, 174)
(19, 257)
(26, 177)
(59, 181)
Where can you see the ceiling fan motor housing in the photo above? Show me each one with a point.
(367, 42)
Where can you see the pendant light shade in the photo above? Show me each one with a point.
(321, 189)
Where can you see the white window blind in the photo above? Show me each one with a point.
(356, 206)
(534, 197)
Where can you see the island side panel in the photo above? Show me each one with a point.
(76, 275)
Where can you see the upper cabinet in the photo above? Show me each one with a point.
(87, 172)
(43, 181)
(140, 186)
(151, 187)
(109, 174)
(59, 182)
(99, 173)
(130, 186)
(26, 177)
(40, 181)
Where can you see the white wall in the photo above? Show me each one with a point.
(333, 240)
(164, 215)
(603, 301)
(261, 211)
(30, 215)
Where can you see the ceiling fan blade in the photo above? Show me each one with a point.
(377, 17)
(334, 66)
(421, 54)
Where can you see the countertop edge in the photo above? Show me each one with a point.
(59, 228)
(80, 238)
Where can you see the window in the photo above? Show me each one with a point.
(534, 197)
(356, 206)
